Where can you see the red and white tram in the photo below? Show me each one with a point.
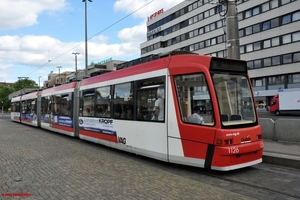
(122, 109)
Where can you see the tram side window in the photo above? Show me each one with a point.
(88, 99)
(123, 101)
(26, 107)
(151, 99)
(46, 104)
(65, 105)
(46, 112)
(194, 99)
(15, 107)
(102, 107)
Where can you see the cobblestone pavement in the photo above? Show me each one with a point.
(38, 164)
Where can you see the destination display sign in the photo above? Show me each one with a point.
(228, 65)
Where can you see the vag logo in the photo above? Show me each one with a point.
(122, 140)
(246, 139)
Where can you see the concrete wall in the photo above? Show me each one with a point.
(281, 129)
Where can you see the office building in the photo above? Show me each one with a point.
(269, 38)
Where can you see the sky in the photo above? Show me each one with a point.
(36, 36)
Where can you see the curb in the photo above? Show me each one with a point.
(281, 159)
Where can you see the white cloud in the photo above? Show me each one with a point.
(130, 6)
(35, 51)
(134, 34)
(21, 13)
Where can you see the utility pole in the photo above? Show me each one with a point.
(76, 53)
(233, 43)
(40, 82)
(59, 73)
(86, 40)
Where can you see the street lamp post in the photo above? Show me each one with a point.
(76, 53)
(86, 47)
(59, 73)
(40, 82)
(233, 43)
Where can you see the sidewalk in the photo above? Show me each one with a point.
(282, 153)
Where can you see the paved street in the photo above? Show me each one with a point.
(38, 164)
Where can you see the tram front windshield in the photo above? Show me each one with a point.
(234, 98)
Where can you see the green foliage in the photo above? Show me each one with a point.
(25, 83)
(4, 101)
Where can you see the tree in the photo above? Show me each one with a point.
(4, 92)
(25, 83)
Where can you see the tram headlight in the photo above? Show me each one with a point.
(223, 142)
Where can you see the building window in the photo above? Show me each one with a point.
(195, 18)
(287, 58)
(219, 24)
(296, 57)
(296, 36)
(212, 26)
(250, 64)
(248, 30)
(206, 14)
(257, 63)
(256, 46)
(275, 41)
(241, 33)
(220, 54)
(201, 30)
(195, 5)
(220, 39)
(249, 47)
(274, 22)
(192, 47)
(207, 43)
(266, 25)
(256, 28)
(286, 39)
(242, 49)
(274, 4)
(265, 7)
(286, 19)
(212, 12)
(206, 28)
(196, 46)
(267, 62)
(196, 32)
(182, 37)
(213, 41)
(218, 8)
(267, 44)
(200, 16)
(248, 13)
(240, 16)
(275, 60)
(285, 2)
(296, 16)
(201, 45)
(255, 11)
